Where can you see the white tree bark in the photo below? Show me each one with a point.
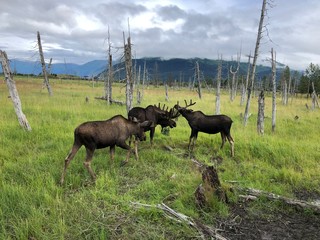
(198, 79)
(13, 92)
(108, 83)
(129, 82)
(244, 90)
(218, 88)
(274, 89)
(260, 119)
(43, 64)
(255, 57)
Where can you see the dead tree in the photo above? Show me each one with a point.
(245, 86)
(233, 81)
(314, 97)
(13, 91)
(255, 57)
(138, 86)
(285, 93)
(198, 77)
(218, 87)
(260, 119)
(210, 188)
(129, 78)
(145, 78)
(43, 65)
(167, 94)
(108, 82)
(49, 66)
(274, 89)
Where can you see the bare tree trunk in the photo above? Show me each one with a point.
(210, 188)
(108, 83)
(129, 84)
(167, 94)
(244, 91)
(289, 89)
(49, 66)
(138, 86)
(233, 83)
(198, 79)
(43, 64)
(255, 57)
(314, 97)
(274, 89)
(218, 87)
(144, 78)
(284, 93)
(260, 119)
(13, 92)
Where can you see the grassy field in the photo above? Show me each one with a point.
(34, 206)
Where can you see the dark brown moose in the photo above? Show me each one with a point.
(101, 134)
(199, 122)
(156, 115)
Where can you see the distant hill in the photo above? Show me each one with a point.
(175, 69)
(89, 69)
(178, 69)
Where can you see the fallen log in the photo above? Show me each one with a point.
(205, 231)
(253, 194)
(111, 100)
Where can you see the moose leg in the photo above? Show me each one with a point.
(87, 163)
(152, 130)
(112, 150)
(136, 149)
(192, 139)
(189, 145)
(223, 138)
(67, 161)
(231, 141)
(130, 140)
(125, 146)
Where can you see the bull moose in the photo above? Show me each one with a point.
(101, 134)
(156, 115)
(199, 122)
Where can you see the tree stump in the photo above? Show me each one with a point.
(210, 188)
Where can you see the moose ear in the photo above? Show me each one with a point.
(147, 124)
(134, 119)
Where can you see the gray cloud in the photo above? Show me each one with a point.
(76, 31)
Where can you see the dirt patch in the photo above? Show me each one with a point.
(269, 224)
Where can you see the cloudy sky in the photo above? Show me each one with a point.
(75, 31)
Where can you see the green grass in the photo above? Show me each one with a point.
(34, 206)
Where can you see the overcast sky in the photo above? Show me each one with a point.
(75, 31)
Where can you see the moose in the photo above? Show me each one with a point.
(101, 134)
(199, 122)
(156, 115)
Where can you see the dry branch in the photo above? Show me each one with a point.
(205, 231)
(111, 100)
(13, 91)
(255, 193)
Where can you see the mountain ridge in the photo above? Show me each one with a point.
(181, 69)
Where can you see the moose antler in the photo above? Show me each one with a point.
(190, 104)
(173, 113)
(163, 108)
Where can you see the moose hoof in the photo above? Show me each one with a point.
(123, 163)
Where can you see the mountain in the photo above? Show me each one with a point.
(92, 68)
(178, 69)
(161, 70)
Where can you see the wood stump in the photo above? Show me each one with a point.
(210, 188)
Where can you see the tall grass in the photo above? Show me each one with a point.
(34, 206)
